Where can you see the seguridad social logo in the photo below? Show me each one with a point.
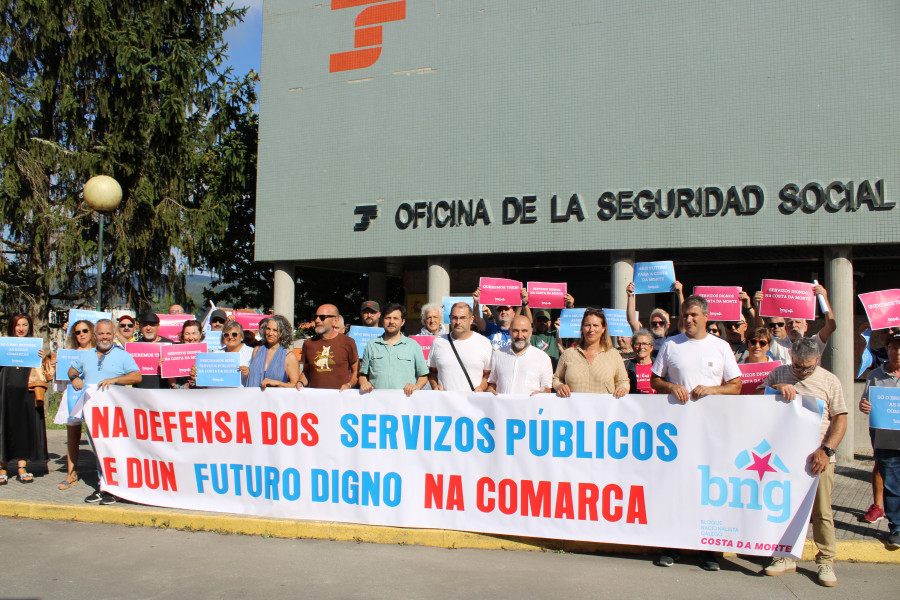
(367, 32)
(754, 486)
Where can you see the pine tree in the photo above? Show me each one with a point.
(135, 90)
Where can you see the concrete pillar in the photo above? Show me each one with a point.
(438, 279)
(377, 287)
(284, 283)
(621, 274)
(839, 354)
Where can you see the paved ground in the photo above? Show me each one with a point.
(53, 559)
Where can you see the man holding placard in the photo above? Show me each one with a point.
(461, 360)
(392, 361)
(497, 333)
(149, 323)
(886, 442)
(805, 377)
(109, 365)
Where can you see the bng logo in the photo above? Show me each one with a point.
(367, 33)
(747, 492)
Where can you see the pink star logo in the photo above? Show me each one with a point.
(761, 465)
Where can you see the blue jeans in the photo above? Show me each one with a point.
(888, 462)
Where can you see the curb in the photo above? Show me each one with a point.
(138, 516)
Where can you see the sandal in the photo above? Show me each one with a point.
(71, 481)
(25, 477)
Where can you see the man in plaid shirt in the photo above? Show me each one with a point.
(804, 377)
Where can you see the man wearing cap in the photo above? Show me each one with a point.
(886, 442)
(370, 313)
(545, 337)
(497, 331)
(520, 368)
(217, 319)
(149, 323)
(125, 331)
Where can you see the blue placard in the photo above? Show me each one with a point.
(20, 351)
(865, 361)
(361, 335)
(617, 322)
(570, 323)
(213, 340)
(64, 359)
(654, 277)
(772, 391)
(75, 401)
(449, 301)
(218, 369)
(885, 408)
(80, 314)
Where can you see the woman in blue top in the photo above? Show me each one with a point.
(274, 364)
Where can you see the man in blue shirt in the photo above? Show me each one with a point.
(392, 361)
(109, 365)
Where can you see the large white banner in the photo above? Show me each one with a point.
(723, 473)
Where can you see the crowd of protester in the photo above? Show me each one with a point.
(500, 350)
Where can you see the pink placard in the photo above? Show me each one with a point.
(643, 373)
(177, 359)
(170, 325)
(249, 320)
(882, 308)
(146, 355)
(546, 295)
(752, 374)
(425, 341)
(500, 292)
(788, 299)
(724, 301)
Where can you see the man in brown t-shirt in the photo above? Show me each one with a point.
(329, 359)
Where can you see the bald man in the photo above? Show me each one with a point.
(330, 359)
(520, 368)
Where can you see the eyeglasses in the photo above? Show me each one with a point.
(800, 369)
(231, 335)
(82, 331)
(642, 344)
(760, 343)
(323, 317)
(126, 325)
(775, 325)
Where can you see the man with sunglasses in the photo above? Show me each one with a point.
(108, 365)
(125, 331)
(217, 320)
(330, 359)
(803, 376)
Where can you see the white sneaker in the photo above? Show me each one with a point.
(781, 565)
(827, 576)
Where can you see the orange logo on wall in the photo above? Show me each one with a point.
(367, 36)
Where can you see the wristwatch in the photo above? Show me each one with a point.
(828, 451)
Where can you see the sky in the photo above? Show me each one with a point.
(245, 39)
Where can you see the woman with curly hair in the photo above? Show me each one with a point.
(274, 364)
(81, 337)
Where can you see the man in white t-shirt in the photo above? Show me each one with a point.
(520, 368)
(445, 371)
(690, 365)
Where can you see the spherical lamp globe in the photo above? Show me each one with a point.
(102, 193)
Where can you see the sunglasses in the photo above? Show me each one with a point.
(658, 323)
(757, 343)
(217, 320)
(737, 325)
(712, 330)
(126, 325)
(231, 335)
(82, 331)
(775, 325)
(323, 317)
